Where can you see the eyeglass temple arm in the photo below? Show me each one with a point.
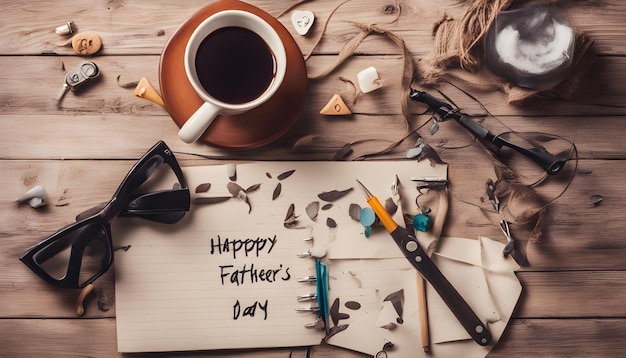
(551, 164)
(149, 206)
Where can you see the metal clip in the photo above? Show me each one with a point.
(307, 279)
(309, 297)
(308, 309)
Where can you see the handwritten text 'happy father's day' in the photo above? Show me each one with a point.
(230, 275)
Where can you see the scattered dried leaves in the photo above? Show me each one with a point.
(291, 220)
(391, 206)
(238, 192)
(313, 209)
(334, 330)
(353, 305)
(333, 195)
(335, 315)
(252, 188)
(277, 191)
(355, 210)
(203, 188)
(286, 174)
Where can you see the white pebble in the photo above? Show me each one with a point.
(368, 80)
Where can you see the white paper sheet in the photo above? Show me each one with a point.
(176, 291)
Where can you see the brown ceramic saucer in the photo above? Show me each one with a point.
(255, 128)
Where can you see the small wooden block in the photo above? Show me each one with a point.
(335, 107)
(145, 90)
(86, 43)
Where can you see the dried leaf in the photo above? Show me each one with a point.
(596, 199)
(277, 191)
(312, 209)
(211, 200)
(334, 195)
(330, 222)
(252, 188)
(354, 210)
(335, 315)
(353, 305)
(237, 191)
(244, 197)
(390, 206)
(291, 220)
(397, 301)
(390, 326)
(334, 330)
(285, 175)
(203, 188)
(290, 212)
(234, 188)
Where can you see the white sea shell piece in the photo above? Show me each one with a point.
(36, 202)
(302, 21)
(34, 192)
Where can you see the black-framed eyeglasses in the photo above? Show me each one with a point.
(80, 253)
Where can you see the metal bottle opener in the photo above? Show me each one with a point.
(78, 76)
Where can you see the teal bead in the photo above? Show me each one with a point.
(421, 222)
(367, 217)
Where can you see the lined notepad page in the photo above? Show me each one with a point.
(226, 276)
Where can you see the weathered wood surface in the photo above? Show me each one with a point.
(79, 151)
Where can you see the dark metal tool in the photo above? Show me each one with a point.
(551, 164)
(422, 262)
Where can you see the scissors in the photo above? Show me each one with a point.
(422, 262)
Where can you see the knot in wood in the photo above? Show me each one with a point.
(390, 9)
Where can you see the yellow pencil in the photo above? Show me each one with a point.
(423, 312)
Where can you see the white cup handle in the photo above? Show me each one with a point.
(195, 126)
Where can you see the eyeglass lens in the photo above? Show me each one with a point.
(88, 243)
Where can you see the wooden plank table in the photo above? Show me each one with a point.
(572, 302)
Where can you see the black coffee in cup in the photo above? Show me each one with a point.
(234, 65)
